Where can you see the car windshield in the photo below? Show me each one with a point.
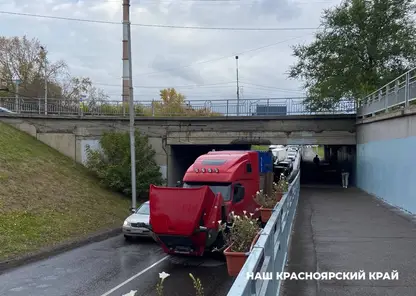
(223, 188)
(144, 209)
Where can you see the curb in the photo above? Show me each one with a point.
(11, 263)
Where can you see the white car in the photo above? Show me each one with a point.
(292, 148)
(137, 224)
(292, 155)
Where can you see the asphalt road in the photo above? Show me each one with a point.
(347, 230)
(115, 267)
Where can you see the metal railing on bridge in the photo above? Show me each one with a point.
(196, 108)
(401, 92)
(269, 254)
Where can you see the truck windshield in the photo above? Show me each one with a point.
(223, 188)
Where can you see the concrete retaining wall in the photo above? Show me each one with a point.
(386, 158)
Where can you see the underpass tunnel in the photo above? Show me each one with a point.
(333, 159)
(181, 157)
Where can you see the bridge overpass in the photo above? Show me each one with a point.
(178, 141)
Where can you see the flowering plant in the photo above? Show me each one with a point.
(270, 200)
(241, 233)
(282, 186)
(197, 284)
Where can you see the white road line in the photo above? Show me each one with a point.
(135, 276)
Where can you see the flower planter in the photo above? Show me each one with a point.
(236, 260)
(265, 214)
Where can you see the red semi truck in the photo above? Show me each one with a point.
(185, 220)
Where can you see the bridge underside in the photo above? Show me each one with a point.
(262, 138)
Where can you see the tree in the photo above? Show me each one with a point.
(26, 60)
(81, 89)
(173, 103)
(75, 88)
(112, 164)
(363, 45)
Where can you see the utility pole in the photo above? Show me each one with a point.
(128, 84)
(46, 79)
(46, 89)
(238, 88)
(126, 58)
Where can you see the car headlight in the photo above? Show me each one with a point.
(126, 223)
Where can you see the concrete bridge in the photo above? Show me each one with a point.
(178, 141)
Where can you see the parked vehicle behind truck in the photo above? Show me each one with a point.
(279, 154)
(185, 220)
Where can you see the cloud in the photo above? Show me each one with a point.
(200, 63)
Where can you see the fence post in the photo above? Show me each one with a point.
(396, 89)
(227, 109)
(386, 98)
(407, 90)
(39, 106)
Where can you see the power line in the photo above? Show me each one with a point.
(178, 86)
(209, 86)
(158, 26)
(221, 58)
(263, 86)
(222, 2)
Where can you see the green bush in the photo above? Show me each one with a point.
(112, 164)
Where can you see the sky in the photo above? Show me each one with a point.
(198, 63)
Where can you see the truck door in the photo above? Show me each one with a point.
(238, 204)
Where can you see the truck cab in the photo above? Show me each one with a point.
(185, 219)
(234, 174)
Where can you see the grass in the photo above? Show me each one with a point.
(46, 199)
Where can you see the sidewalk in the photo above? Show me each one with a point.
(347, 230)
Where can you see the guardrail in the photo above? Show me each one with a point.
(197, 108)
(399, 92)
(269, 254)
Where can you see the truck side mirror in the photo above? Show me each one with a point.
(239, 192)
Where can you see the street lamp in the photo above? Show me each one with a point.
(238, 88)
(43, 55)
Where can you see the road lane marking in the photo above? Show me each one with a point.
(135, 276)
